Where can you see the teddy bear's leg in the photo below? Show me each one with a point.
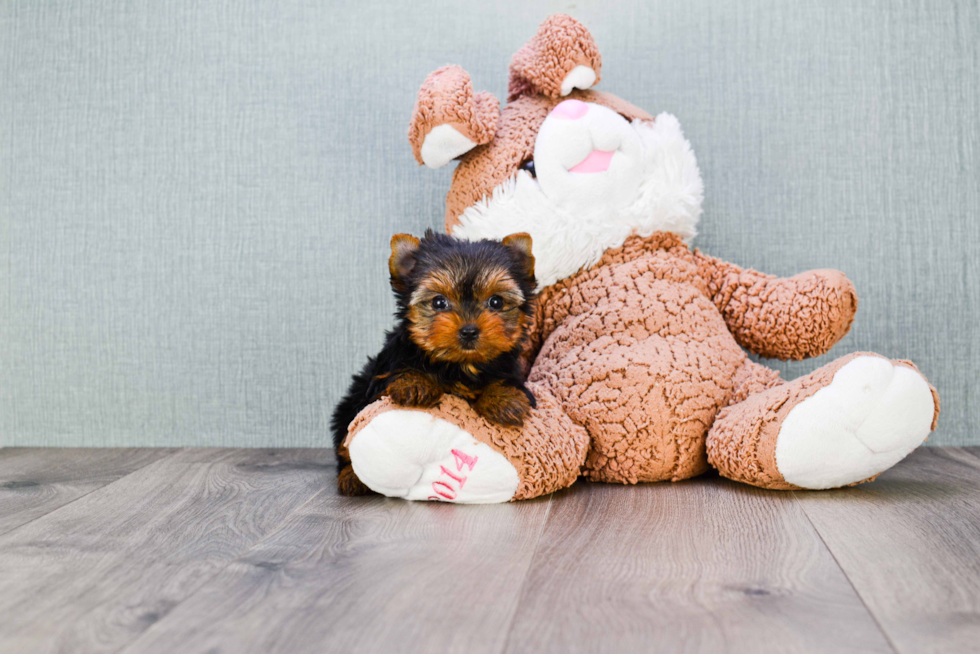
(842, 424)
(449, 453)
(645, 404)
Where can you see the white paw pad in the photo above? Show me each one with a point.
(443, 144)
(580, 77)
(415, 456)
(870, 416)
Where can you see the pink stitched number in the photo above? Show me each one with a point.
(442, 489)
(460, 480)
(446, 493)
(464, 459)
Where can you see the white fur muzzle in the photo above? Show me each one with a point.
(653, 184)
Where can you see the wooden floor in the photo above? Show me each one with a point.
(183, 551)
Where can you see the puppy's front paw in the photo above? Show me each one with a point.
(415, 390)
(504, 405)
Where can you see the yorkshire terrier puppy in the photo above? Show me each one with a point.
(463, 316)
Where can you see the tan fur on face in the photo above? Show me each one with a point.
(437, 332)
(498, 282)
(438, 282)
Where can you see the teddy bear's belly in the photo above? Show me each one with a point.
(646, 377)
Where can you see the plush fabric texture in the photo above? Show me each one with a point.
(795, 318)
(639, 354)
(643, 349)
(546, 452)
(412, 455)
(742, 441)
(541, 66)
(486, 168)
(571, 233)
(447, 98)
(636, 357)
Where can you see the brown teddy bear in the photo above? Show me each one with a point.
(637, 362)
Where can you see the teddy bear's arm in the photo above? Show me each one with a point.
(781, 317)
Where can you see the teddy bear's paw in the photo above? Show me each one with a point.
(867, 419)
(416, 456)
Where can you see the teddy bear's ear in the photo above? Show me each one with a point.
(449, 119)
(562, 56)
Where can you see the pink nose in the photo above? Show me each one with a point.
(570, 110)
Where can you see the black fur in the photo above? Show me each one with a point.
(400, 352)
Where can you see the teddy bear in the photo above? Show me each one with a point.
(638, 353)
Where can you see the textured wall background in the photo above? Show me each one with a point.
(196, 197)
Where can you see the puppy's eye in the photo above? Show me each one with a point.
(439, 303)
(529, 167)
(495, 302)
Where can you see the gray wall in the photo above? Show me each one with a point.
(196, 198)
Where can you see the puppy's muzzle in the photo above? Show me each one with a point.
(468, 335)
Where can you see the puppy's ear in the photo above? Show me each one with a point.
(520, 244)
(402, 260)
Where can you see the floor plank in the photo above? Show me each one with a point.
(253, 551)
(36, 481)
(365, 575)
(93, 575)
(699, 566)
(910, 544)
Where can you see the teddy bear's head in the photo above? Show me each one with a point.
(578, 169)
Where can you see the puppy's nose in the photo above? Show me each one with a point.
(468, 332)
(570, 110)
